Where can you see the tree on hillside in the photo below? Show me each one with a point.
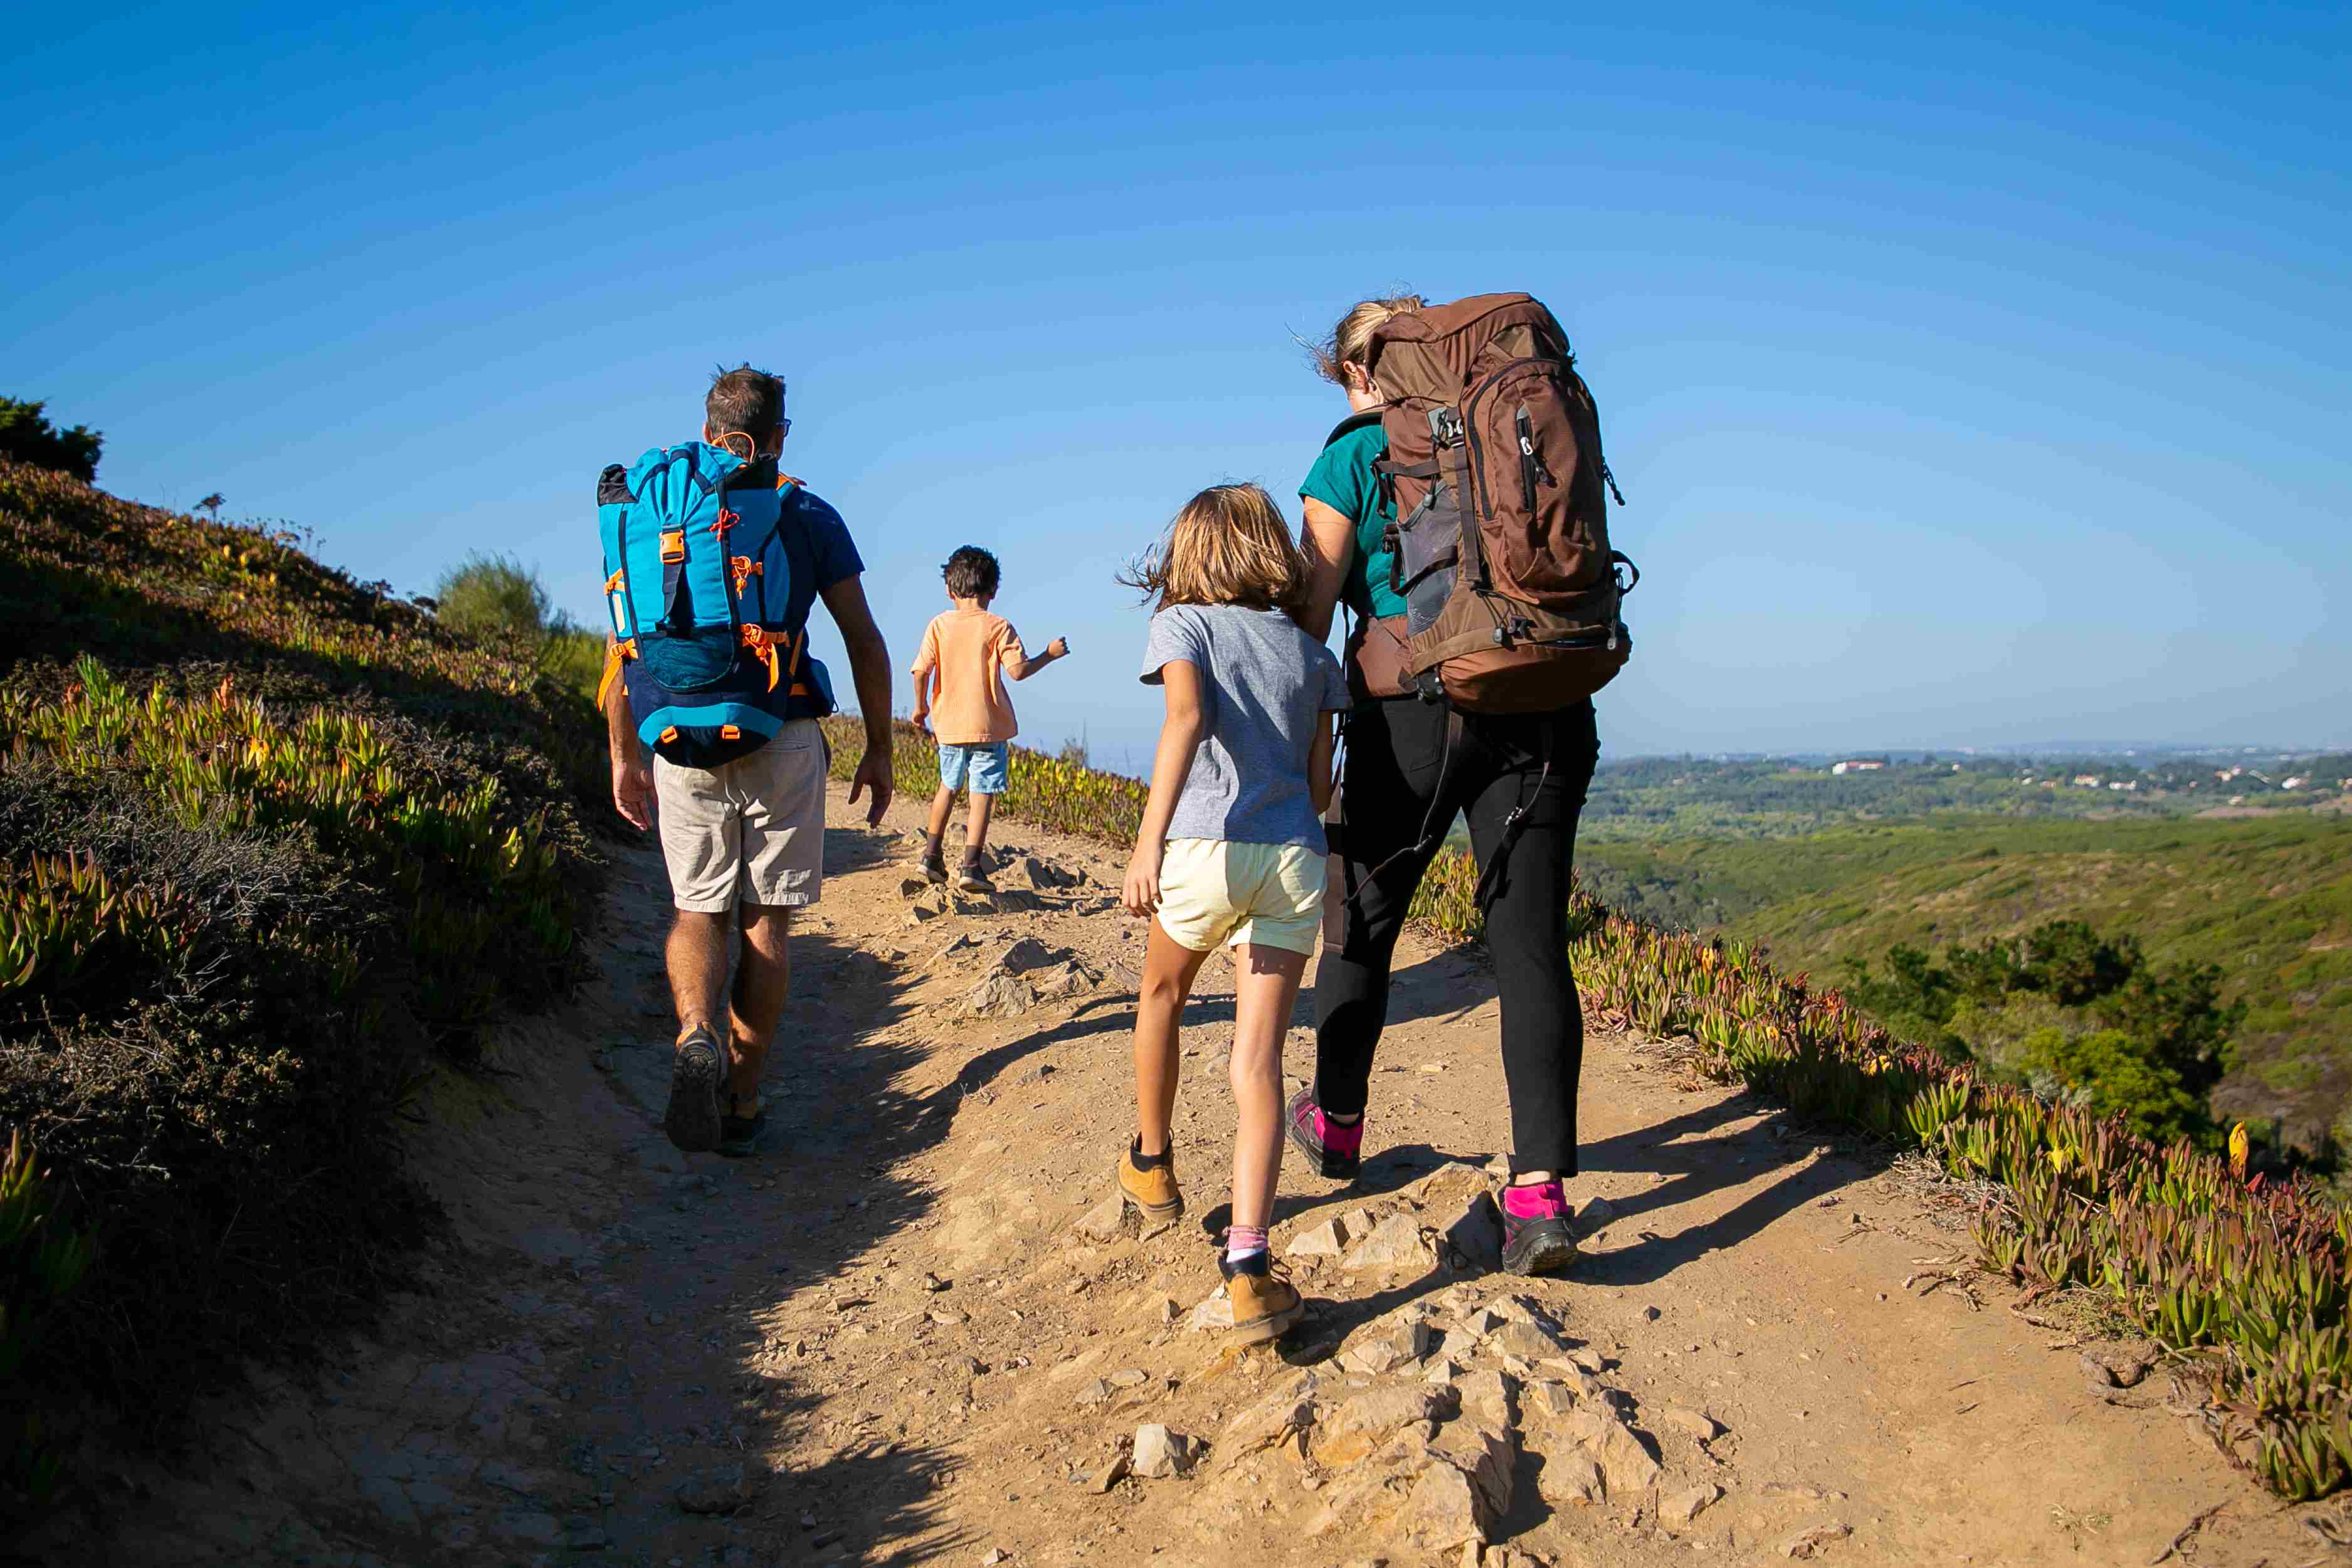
(497, 598)
(26, 437)
(492, 596)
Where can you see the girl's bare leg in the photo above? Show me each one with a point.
(1263, 995)
(1169, 969)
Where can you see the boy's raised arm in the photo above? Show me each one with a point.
(869, 669)
(1021, 669)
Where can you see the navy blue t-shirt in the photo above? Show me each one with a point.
(821, 552)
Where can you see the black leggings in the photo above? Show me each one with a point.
(1396, 754)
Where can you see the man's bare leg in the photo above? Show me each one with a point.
(696, 955)
(763, 982)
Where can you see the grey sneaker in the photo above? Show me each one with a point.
(692, 1119)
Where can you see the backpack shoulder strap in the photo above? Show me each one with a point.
(1353, 422)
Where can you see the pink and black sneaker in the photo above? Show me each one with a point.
(1338, 1151)
(1538, 1238)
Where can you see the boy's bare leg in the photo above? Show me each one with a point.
(695, 958)
(1168, 969)
(763, 982)
(1265, 993)
(975, 822)
(942, 806)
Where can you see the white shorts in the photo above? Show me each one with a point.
(1213, 891)
(748, 831)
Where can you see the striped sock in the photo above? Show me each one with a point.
(1243, 1242)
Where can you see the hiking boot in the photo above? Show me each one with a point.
(935, 869)
(739, 1135)
(973, 878)
(1266, 1304)
(692, 1119)
(1338, 1151)
(1149, 1186)
(1537, 1236)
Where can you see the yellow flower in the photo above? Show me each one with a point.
(2059, 1160)
(2238, 1150)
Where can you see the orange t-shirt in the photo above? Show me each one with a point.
(970, 649)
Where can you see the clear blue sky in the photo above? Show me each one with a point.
(1974, 377)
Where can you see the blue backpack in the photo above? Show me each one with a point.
(699, 585)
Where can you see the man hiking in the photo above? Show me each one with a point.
(713, 558)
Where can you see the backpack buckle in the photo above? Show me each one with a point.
(672, 545)
(1444, 427)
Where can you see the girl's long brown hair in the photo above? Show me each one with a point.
(1229, 545)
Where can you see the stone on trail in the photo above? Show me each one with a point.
(1273, 1424)
(1106, 1221)
(1696, 1424)
(1073, 978)
(1095, 1393)
(1443, 1509)
(1361, 1425)
(1160, 1453)
(1678, 1510)
(722, 1489)
(1000, 995)
(1216, 1312)
(1526, 1338)
(1023, 956)
(1395, 1243)
(1477, 1232)
(1571, 1478)
(914, 887)
(1812, 1543)
(1110, 1475)
(1327, 1240)
(1487, 1394)
(1388, 1352)
(1626, 1463)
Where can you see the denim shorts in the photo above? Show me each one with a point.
(982, 766)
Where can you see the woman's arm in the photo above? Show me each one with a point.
(1179, 739)
(1330, 540)
(1318, 765)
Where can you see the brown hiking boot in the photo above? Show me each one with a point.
(1265, 1303)
(1150, 1187)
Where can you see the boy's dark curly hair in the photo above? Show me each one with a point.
(971, 573)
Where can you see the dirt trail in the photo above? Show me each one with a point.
(905, 1332)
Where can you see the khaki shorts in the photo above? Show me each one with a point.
(1211, 892)
(751, 830)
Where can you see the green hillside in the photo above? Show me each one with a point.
(2270, 899)
(274, 845)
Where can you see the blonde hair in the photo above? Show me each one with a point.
(1352, 341)
(1229, 545)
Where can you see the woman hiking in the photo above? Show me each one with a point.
(1402, 774)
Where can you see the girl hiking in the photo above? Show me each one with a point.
(1519, 779)
(1231, 850)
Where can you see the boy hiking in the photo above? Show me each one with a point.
(1231, 850)
(714, 560)
(966, 657)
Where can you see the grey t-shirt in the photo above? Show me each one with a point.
(1265, 687)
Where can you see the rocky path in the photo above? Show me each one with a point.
(911, 1331)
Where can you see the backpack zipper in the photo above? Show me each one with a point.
(1482, 501)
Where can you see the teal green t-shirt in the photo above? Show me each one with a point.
(1342, 479)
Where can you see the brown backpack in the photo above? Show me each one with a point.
(1512, 596)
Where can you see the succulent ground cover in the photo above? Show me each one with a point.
(2243, 1278)
(271, 844)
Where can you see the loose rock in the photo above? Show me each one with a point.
(1000, 995)
(1395, 1243)
(1161, 1453)
(1812, 1542)
(1327, 1240)
(1477, 1232)
(1678, 1510)
(722, 1489)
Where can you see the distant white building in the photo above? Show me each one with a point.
(2295, 783)
(1859, 764)
(2088, 780)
